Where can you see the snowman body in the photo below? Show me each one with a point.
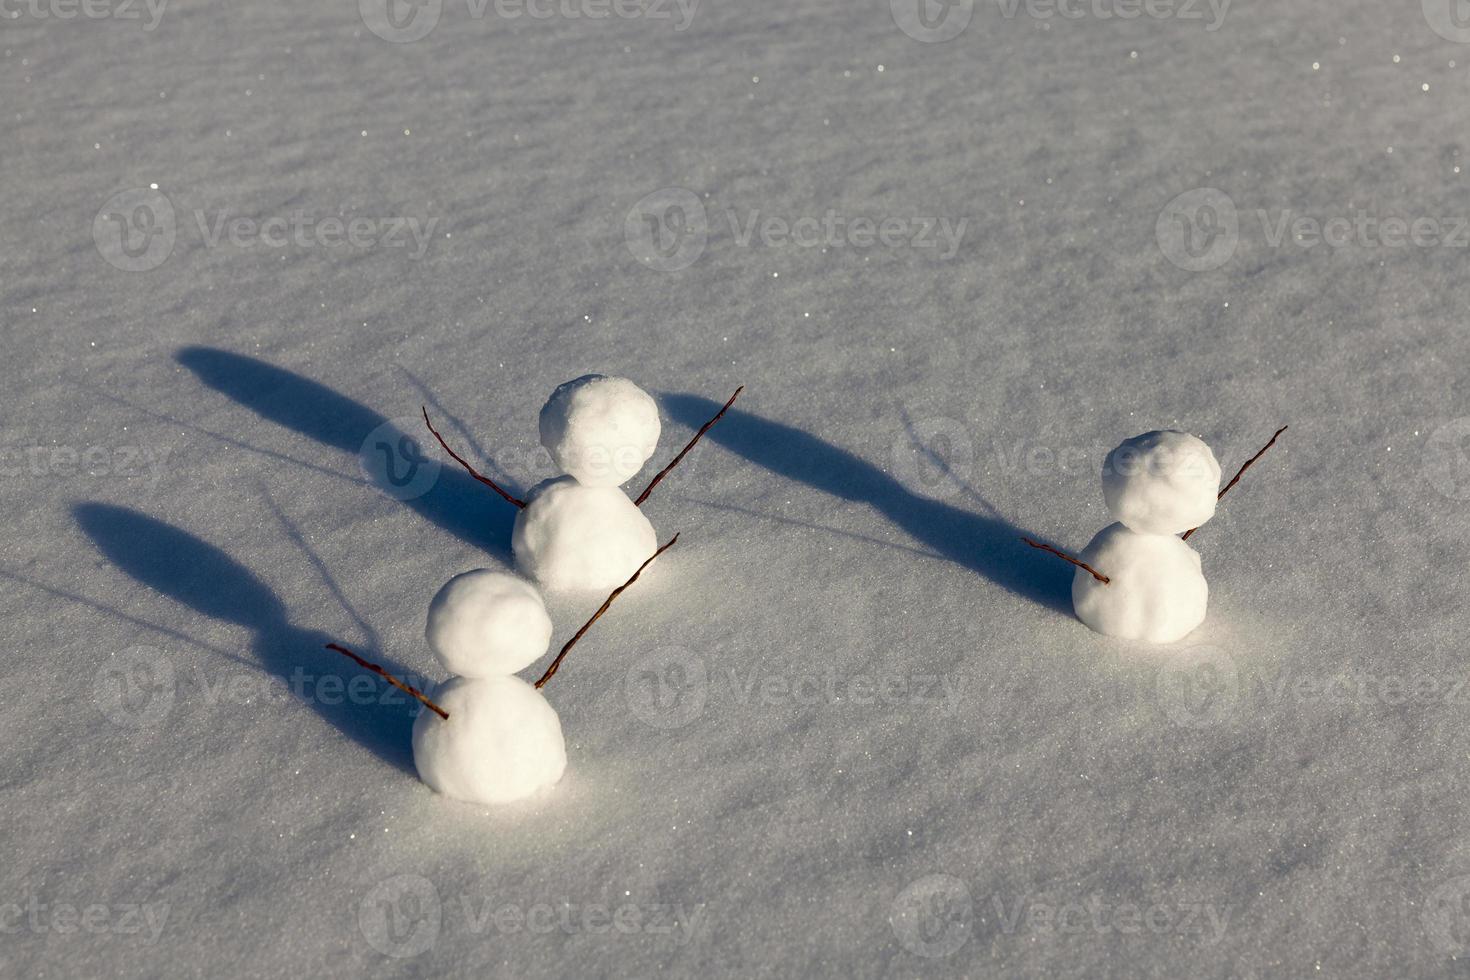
(502, 740)
(580, 532)
(1157, 486)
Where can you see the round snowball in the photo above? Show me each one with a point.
(576, 538)
(1156, 591)
(1161, 482)
(600, 430)
(484, 623)
(501, 742)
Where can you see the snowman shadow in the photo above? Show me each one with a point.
(986, 544)
(456, 502)
(194, 572)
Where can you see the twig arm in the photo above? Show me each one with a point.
(472, 471)
(390, 679)
(685, 451)
(1239, 473)
(555, 664)
(1068, 558)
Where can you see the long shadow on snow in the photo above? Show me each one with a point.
(987, 545)
(456, 503)
(204, 578)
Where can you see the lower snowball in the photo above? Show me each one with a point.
(1156, 591)
(502, 741)
(575, 538)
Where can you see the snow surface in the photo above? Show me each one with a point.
(848, 726)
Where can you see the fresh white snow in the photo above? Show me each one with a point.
(849, 726)
(575, 538)
(600, 430)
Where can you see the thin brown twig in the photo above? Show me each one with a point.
(597, 615)
(683, 452)
(390, 679)
(1066, 557)
(472, 471)
(1236, 479)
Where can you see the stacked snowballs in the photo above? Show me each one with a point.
(580, 532)
(1157, 486)
(503, 740)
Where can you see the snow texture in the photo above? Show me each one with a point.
(600, 430)
(849, 726)
(502, 741)
(575, 538)
(1161, 482)
(1154, 591)
(485, 623)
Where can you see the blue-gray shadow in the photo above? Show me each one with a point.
(194, 572)
(982, 543)
(457, 502)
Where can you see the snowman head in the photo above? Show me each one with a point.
(1162, 482)
(486, 623)
(600, 430)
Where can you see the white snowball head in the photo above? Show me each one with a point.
(501, 742)
(1156, 591)
(1162, 482)
(600, 430)
(574, 538)
(486, 623)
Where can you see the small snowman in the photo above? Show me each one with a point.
(1143, 582)
(580, 531)
(488, 736)
(502, 740)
